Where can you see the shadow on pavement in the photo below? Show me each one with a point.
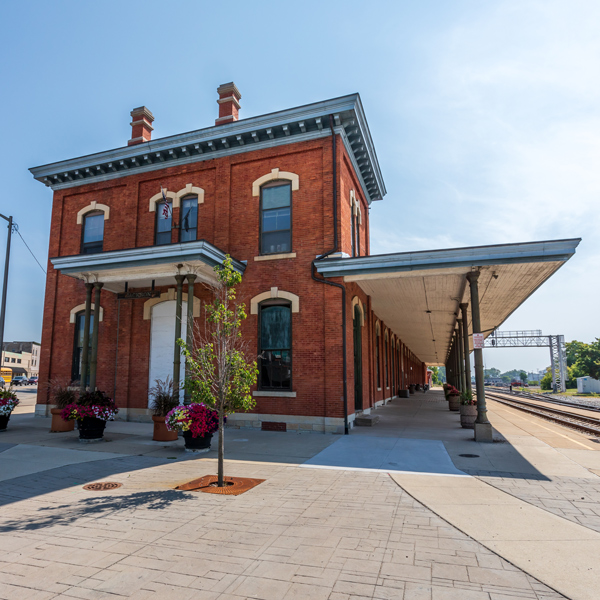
(94, 507)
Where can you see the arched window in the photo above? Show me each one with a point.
(189, 219)
(78, 345)
(164, 220)
(276, 217)
(275, 345)
(93, 232)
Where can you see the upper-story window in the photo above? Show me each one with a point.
(93, 232)
(164, 218)
(276, 218)
(275, 338)
(189, 219)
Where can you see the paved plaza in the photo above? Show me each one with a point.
(389, 512)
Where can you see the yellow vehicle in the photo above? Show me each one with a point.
(6, 374)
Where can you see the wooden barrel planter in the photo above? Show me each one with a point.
(58, 423)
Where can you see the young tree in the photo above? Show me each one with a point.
(220, 372)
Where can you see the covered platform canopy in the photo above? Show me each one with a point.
(418, 293)
(145, 267)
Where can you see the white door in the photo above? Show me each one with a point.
(162, 341)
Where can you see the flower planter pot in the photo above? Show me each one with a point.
(411, 388)
(91, 429)
(454, 402)
(468, 414)
(58, 423)
(4, 422)
(161, 433)
(197, 444)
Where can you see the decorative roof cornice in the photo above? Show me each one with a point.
(274, 129)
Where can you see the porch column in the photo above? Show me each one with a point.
(483, 428)
(86, 336)
(177, 352)
(461, 359)
(190, 325)
(94, 361)
(463, 310)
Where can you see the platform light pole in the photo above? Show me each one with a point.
(5, 283)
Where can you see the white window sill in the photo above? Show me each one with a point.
(269, 394)
(378, 389)
(275, 256)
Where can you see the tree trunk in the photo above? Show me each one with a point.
(221, 448)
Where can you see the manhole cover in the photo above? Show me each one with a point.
(469, 455)
(102, 486)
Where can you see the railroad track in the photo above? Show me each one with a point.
(589, 425)
(545, 398)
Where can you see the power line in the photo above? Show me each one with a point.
(16, 228)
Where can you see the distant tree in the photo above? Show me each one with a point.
(506, 378)
(573, 350)
(588, 359)
(493, 372)
(546, 382)
(523, 376)
(434, 375)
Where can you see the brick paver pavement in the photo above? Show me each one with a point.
(572, 498)
(302, 534)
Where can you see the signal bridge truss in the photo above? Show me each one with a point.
(535, 339)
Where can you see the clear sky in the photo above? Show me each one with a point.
(484, 115)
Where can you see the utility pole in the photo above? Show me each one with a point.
(5, 284)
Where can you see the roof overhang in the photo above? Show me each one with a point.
(284, 127)
(143, 267)
(417, 294)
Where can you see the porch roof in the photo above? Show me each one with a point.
(418, 294)
(139, 267)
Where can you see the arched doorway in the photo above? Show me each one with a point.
(357, 324)
(162, 341)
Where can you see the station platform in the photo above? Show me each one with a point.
(439, 515)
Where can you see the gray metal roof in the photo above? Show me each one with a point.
(417, 294)
(302, 123)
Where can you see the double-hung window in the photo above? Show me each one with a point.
(276, 218)
(275, 339)
(93, 233)
(164, 219)
(189, 219)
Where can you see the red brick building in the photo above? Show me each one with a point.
(287, 196)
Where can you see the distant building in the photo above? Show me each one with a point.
(22, 358)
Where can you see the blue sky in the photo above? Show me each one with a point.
(484, 116)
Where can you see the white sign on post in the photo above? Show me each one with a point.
(478, 341)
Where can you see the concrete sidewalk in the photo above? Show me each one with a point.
(328, 522)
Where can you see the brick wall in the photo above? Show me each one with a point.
(229, 219)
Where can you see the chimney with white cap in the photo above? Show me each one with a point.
(141, 126)
(229, 103)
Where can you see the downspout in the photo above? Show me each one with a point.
(332, 283)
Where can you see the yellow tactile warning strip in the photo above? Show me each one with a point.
(234, 486)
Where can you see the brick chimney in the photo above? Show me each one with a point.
(141, 126)
(229, 103)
